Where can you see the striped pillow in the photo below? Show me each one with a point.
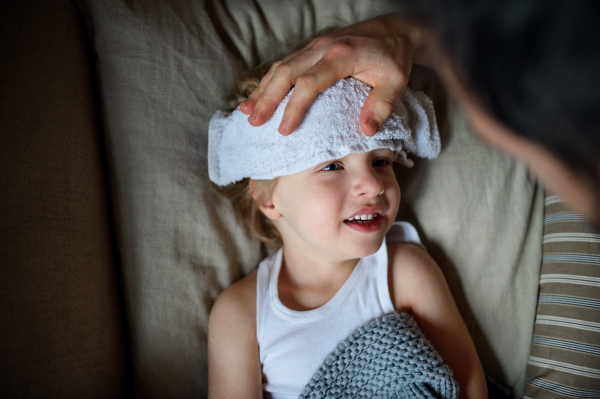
(565, 354)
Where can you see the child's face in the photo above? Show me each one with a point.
(312, 208)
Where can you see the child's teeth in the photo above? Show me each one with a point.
(363, 217)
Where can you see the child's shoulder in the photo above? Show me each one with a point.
(406, 256)
(234, 366)
(412, 274)
(237, 303)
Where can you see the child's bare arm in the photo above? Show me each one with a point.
(419, 287)
(233, 362)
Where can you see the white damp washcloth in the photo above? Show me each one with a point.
(329, 130)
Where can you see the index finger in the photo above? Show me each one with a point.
(278, 84)
(248, 105)
(322, 75)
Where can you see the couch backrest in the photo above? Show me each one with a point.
(62, 329)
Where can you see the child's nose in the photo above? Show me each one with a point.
(368, 183)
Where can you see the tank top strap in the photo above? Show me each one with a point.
(404, 232)
(263, 278)
(379, 270)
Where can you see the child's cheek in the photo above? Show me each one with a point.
(325, 213)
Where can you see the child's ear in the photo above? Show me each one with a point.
(267, 207)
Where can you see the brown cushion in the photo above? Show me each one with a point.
(565, 355)
(62, 329)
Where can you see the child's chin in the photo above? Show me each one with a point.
(365, 249)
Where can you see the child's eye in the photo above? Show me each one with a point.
(381, 162)
(332, 167)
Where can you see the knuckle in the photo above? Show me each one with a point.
(304, 94)
(322, 41)
(391, 75)
(283, 69)
(306, 81)
(342, 47)
(396, 76)
(274, 66)
(385, 105)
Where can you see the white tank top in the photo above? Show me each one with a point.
(293, 344)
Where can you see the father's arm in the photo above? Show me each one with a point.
(378, 51)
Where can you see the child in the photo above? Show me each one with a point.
(329, 195)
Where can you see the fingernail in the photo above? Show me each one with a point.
(252, 116)
(373, 125)
(282, 126)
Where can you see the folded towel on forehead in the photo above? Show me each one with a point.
(329, 130)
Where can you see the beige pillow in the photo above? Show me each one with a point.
(164, 68)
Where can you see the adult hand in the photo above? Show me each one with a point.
(378, 51)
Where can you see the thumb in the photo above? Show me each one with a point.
(379, 106)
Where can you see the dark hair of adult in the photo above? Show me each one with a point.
(535, 64)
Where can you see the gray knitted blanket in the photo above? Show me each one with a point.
(387, 358)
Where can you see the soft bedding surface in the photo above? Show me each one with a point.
(164, 68)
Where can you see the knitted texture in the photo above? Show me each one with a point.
(387, 358)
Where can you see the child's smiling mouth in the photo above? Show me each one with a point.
(366, 220)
